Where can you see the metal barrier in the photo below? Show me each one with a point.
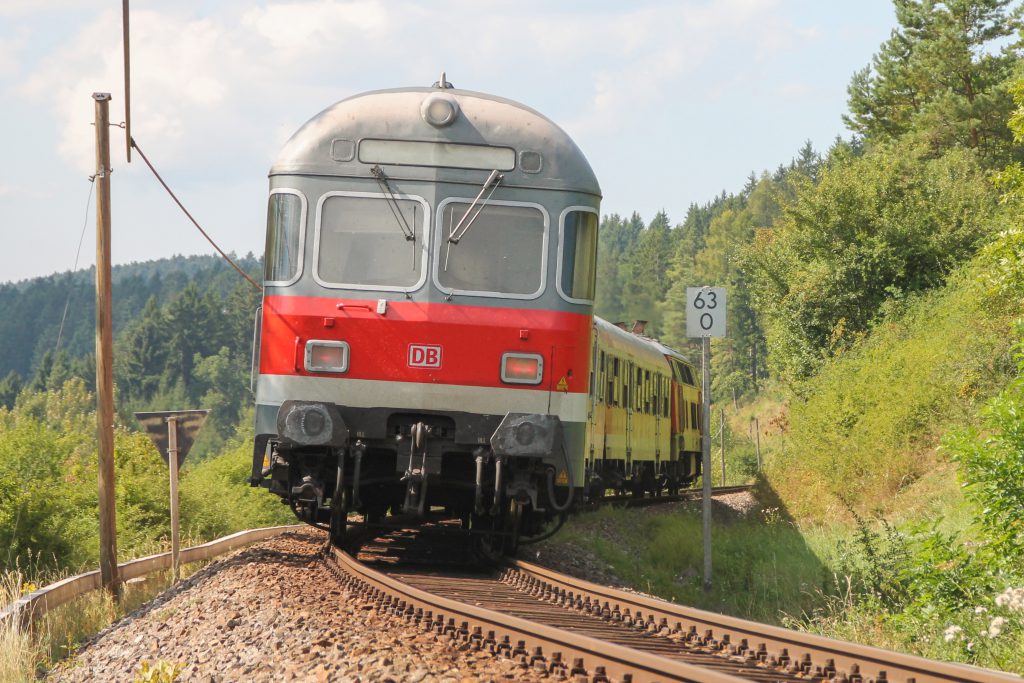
(33, 605)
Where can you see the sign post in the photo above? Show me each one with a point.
(173, 433)
(705, 318)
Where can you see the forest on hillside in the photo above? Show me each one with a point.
(875, 298)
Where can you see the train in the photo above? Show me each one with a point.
(427, 341)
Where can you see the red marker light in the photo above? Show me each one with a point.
(326, 356)
(521, 369)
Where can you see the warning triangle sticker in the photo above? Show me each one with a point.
(563, 384)
(189, 422)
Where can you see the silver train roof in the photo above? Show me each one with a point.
(396, 115)
(639, 345)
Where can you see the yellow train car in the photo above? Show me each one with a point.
(643, 417)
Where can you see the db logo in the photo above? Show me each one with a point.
(424, 356)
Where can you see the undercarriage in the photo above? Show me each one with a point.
(498, 476)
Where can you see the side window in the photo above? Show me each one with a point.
(638, 391)
(285, 227)
(613, 372)
(578, 265)
(647, 391)
(693, 416)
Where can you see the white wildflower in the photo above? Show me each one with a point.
(980, 610)
(951, 632)
(996, 627)
(1013, 598)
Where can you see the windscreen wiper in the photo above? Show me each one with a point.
(396, 211)
(459, 231)
(389, 194)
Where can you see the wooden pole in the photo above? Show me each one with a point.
(105, 352)
(757, 435)
(721, 429)
(705, 443)
(172, 460)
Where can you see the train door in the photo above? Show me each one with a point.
(656, 406)
(596, 377)
(627, 402)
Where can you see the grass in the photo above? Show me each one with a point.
(762, 567)
(27, 653)
(768, 569)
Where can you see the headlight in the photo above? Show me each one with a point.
(525, 434)
(310, 423)
(522, 368)
(326, 356)
(439, 110)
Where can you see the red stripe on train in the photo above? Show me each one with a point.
(472, 340)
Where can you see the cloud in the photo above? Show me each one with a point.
(22, 8)
(650, 54)
(303, 29)
(10, 49)
(233, 79)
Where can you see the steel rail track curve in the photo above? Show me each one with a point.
(587, 632)
(802, 654)
(687, 495)
(538, 646)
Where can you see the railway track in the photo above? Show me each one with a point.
(553, 624)
(689, 494)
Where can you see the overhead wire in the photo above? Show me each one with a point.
(78, 252)
(181, 206)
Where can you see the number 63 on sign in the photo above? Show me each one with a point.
(705, 311)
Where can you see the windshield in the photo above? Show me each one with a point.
(363, 242)
(502, 254)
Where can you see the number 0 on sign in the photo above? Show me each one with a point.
(705, 311)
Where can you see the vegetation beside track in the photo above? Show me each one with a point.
(48, 514)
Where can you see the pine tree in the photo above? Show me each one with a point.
(10, 387)
(939, 79)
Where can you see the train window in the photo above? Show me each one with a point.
(693, 416)
(577, 248)
(638, 391)
(448, 154)
(500, 249)
(647, 391)
(370, 242)
(286, 220)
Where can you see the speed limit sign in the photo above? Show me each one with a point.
(705, 311)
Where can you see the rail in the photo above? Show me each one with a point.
(34, 605)
(552, 648)
(644, 501)
(803, 654)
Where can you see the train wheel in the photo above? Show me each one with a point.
(339, 513)
(513, 526)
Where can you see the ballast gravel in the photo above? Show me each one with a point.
(274, 612)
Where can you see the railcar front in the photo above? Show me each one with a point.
(427, 313)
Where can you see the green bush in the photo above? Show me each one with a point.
(868, 424)
(875, 229)
(49, 498)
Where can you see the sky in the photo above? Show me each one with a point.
(672, 101)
